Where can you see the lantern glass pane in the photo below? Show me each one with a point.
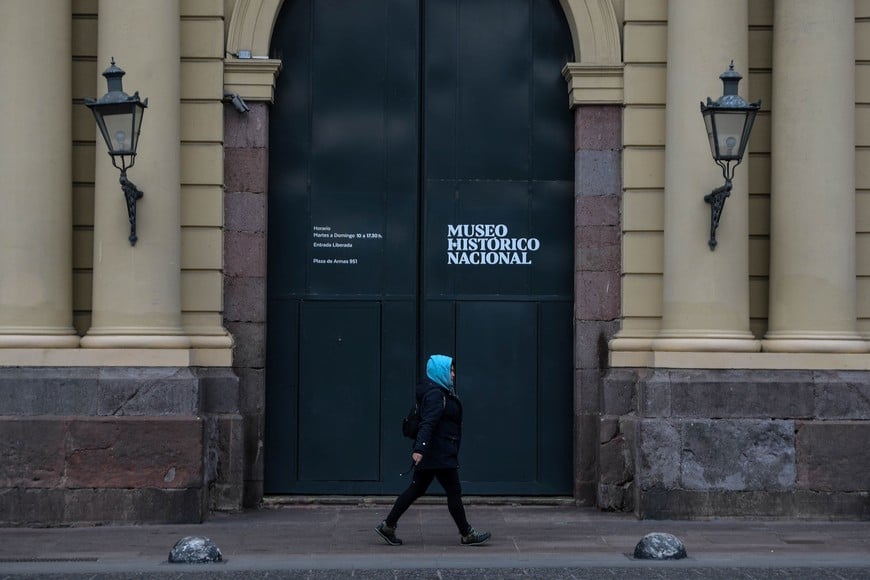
(119, 125)
(119, 129)
(729, 134)
(708, 121)
(137, 124)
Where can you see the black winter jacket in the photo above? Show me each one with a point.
(440, 427)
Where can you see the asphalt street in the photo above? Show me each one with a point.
(321, 541)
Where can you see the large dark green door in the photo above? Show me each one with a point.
(421, 178)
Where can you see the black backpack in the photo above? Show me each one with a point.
(411, 421)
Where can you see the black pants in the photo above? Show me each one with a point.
(449, 480)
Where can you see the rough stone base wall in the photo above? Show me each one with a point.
(246, 175)
(117, 445)
(707, 443)
(597, 264)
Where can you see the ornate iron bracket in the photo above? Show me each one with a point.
(716, 199)
(131, 195)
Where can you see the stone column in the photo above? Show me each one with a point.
(36, 170)
(137, 289)
(812, 233)
(705, 293)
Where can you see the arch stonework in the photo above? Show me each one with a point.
(595, 77)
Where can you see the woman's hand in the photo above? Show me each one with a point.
(416, 457)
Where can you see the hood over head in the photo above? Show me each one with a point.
(438, 370)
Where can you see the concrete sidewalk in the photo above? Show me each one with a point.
(323, 541)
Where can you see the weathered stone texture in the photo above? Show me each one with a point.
(611, 462)
(47, 391)
(245, 212)
(225, 462)
(252, 395)
(254, 426)
(598, 127)
(134, 505)
(220, 388)
(245, 299)
(617, 398)
(659, 446)
(148, 391)
(134, 453)
(614, 497)
(738, 455)
(109, 391)
(629, 426)
(654, 394)
(249, 349)
(29, 452)
(833, 455)
(737, 394)
(101, 452)
(73, 433)
(705, 393)
(597, 295)
(842, 396)
(22, 506)
(745, 442)
(246, 170)
(245, 243)
(609, 427)
(596, 210)
(589, 339)
(597, 248)
(244, 254)
(586, 425)
(246, 130)
(619, 389)
(597, 172)
(59, 506)
(590, 344)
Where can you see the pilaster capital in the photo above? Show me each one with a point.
(253, 79)
(594, 84)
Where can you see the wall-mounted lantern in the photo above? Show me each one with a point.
(729, 121)
(119, 118)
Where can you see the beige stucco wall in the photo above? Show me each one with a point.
(645, 44)
(862, 153)
(207, 30)
(202, 52)
(644, 54)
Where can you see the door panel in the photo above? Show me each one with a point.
(339, 391)
(282, 388)
(497, 378)
(498, 235)
(477, 88)
(343, 222)
(399, 128)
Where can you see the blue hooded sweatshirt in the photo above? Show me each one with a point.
(438, 370)
(441, 417)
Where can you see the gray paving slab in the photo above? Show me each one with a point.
(323, 541)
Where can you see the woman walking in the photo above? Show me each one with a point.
(436, 452)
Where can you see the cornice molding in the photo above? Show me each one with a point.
(253, 79)
(594, 84)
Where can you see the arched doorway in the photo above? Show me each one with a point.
(421, 200)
